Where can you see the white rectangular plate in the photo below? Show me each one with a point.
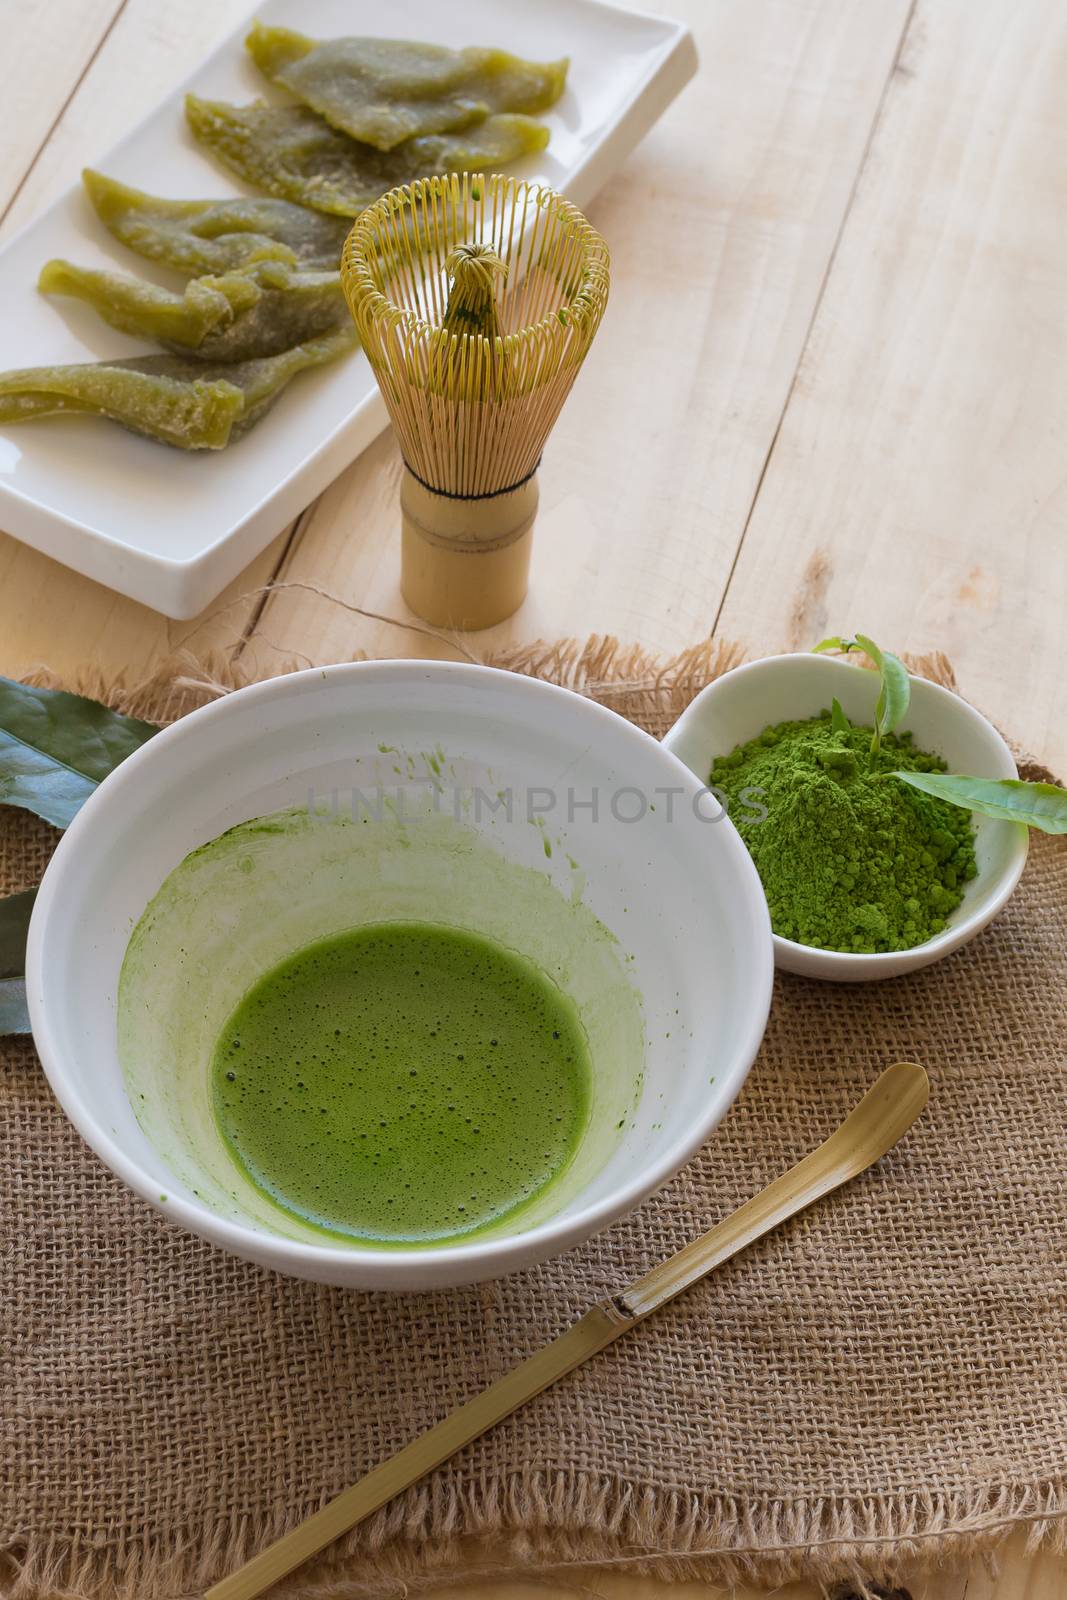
(171, 529)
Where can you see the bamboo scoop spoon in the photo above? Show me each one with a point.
(885, 1113)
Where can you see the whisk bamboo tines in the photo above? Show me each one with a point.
(477, 300)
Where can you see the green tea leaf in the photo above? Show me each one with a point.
(838, 721)
(56, 747)
(894, 695)
(1039, 805)
(14, 1017)
(14, 923)
(834, 642)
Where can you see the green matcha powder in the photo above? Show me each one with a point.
(850, 857)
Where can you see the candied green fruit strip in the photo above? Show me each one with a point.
(291, 152)
(195, 415)
(237, 317)
(215, 236)
(385, 91)
(147, 311)
(273, 49)
(184, 403)
(263, 381)
(177, 232)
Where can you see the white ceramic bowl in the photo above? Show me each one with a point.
(657, 927)
(740, 704)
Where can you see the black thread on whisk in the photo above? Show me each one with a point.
(451, 494)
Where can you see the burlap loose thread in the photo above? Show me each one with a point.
(883, 1380)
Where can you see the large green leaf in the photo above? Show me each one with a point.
(14, 1017)
(1039, 805)
(56, 747)
(14, 923)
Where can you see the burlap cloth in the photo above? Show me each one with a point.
(886, 1377)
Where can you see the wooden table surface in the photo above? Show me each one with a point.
(830, 392)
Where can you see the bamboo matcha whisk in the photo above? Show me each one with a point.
(476, 300)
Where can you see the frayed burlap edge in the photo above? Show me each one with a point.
(624, 676)
(601, 663)
(564, 1523)
(559, 1525)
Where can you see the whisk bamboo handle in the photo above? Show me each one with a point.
(465, 563)
(885, 1113)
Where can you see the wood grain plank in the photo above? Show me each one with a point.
(918, 488)
(49, 614)
(721, 226)
(53, 617)
(150, 48)
(1014, 1574)
(48, 44)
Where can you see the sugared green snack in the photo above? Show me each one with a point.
(215, 236)
(193, 405)
(850, 858)
(292, 153)
(384, 91)
(239, 317)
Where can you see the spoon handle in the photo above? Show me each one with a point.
(886, 1112)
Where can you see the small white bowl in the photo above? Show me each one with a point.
(740, 704)
(663, 905)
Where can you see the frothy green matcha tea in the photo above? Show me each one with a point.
(403, 1083)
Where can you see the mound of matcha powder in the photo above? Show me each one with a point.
(850, 857)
